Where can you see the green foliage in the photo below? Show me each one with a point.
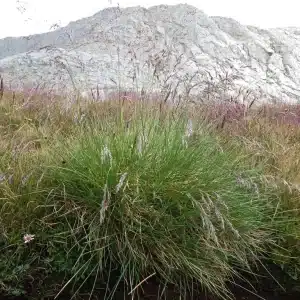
(150, 195)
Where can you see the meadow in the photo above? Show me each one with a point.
(95, 196)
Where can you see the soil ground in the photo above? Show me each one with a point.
(265, 288)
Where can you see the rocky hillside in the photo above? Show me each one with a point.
(177, 49)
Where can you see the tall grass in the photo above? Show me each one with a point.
(159, 204)
(133, 190)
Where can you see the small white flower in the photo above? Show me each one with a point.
(28, 238)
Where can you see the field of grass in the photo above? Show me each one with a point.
(98, 195)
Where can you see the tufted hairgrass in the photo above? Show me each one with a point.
(152, 200)
(138, 192)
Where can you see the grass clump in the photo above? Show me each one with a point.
(163, 206)
(152, 197)
(119, 194)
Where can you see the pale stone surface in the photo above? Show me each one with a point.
(177, 48)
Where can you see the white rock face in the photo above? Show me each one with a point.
(177, 49)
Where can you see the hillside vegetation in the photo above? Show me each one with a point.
(98, 195)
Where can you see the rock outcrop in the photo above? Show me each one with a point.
(176, 49)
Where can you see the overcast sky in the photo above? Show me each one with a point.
(24, 17)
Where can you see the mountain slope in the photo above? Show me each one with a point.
(175, 48)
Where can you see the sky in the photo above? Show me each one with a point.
(25, 17)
